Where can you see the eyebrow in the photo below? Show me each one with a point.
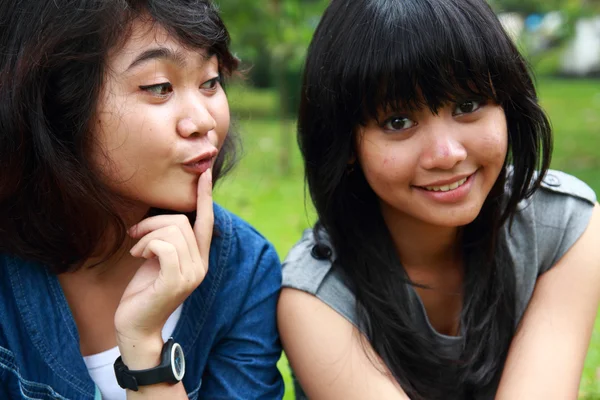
(162, 53)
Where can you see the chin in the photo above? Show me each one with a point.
(177, 205)
(455, 222)
(459, 219)
(184, 207)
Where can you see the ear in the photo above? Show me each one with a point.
(351, 164)
(352, 159)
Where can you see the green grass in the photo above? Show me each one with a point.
(274, 202)
(574, 109)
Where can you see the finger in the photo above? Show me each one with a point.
(167, 258)
(203, 226)
(161, 221)
(169, 234)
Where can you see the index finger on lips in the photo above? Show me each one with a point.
(203, 227)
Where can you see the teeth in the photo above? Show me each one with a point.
(445, 188)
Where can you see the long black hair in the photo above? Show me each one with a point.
(367, 55)
(53, 207)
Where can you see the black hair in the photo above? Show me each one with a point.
(53, 207)
(367, 55)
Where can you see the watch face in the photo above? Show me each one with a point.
(177, 362)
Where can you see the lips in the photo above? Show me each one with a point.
(209, 154)
(198, 164)
(450, 191)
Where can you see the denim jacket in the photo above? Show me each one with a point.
(227, 327)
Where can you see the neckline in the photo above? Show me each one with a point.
(423, 315)
(469, 258)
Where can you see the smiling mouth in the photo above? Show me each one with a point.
(446, 188)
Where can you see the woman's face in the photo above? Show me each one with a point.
(162, 118)
(434, 169)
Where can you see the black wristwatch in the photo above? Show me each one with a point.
(170, 370)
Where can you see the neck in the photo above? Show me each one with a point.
(94, 291)
(421, 245)
(121, 265)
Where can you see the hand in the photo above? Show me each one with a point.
(176, 263)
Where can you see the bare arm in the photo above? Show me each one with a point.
(328, 354)
(546, 358)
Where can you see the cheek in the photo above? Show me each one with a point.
(384, 165)
(132, 143)
(153, 142)
(496, 141)
(222, 117)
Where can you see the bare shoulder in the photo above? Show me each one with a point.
(330, 356)
(553, 337)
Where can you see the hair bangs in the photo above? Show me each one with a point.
(196, 25)
(409, 57)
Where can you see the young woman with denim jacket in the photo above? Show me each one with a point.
(114, 127)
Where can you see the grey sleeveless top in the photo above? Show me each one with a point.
(543, 229)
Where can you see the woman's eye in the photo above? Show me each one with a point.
(467, 107)
(160, 89)
(398, 123)
(211, 83)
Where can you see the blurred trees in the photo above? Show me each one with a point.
(271, 38)
(525, 7)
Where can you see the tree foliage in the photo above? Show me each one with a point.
(277, 29)
(579, 8)
(273, 35)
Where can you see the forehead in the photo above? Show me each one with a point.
(146, 35)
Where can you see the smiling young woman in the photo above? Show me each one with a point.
(447, 262)
(119, 276)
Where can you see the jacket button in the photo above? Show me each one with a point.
(551, 180)
(320, 252)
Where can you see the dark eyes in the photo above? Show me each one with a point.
(211, 83)
(160, 89)
(398, 122)
(467, 107)
(164, 89)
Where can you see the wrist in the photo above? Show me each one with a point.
(170, 370)
(141, 354)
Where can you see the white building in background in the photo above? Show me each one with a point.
(582, 56)
(582, 53)
(513, 24)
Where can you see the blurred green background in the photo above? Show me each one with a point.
(271, 37)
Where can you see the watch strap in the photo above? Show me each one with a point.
(163, 373)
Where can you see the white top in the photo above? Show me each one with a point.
(100, 366)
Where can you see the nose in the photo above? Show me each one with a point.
(443, 149)
(196, 119)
